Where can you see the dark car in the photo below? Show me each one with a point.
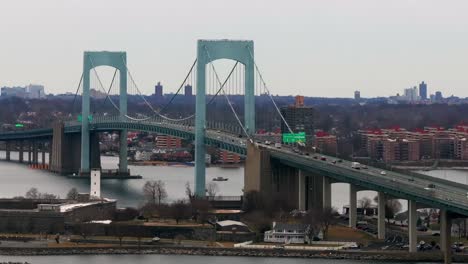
(421, 228)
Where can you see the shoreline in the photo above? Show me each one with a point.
(205, 251)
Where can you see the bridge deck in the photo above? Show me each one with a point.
(446, 194)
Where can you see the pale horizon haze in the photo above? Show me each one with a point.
(315, 48)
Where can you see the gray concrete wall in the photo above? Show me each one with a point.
(66, 151)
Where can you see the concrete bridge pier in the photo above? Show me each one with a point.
(412, 226)
(123, 164)
(21, 153)
(352, 205)
(35, 152)
(326, 192)
(301, 191)
(29, 152)
(381, 215)
(445, 235)
(7, 150)
(43, 157)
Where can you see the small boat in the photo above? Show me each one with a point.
(219, 178)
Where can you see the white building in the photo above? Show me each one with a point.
(143, 155)
(31, 91)
(287, 233)
(411, 94)
(34, 91)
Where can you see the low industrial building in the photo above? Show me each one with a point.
(51, 216)
(231, 226)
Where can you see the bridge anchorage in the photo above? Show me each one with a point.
(298, 180)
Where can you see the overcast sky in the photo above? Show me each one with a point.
(315, 48)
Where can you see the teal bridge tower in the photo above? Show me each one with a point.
(208, 51)
(91, 60)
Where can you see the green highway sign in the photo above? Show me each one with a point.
(294, 137)
(19, 125)
(80, 118)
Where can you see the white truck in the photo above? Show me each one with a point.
(278, 145)
(356, 165)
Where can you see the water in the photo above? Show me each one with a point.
(164, 259)
(18, 178)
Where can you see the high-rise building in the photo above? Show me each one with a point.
(35, 91)
(31, 91)
(188, 90)
(14, 91)
(158, 90)
(411, 94)
(423, 91)
(438, 96)
(357, 95)
(299, 117)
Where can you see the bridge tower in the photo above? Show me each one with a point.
(91, 60)
(208, 51)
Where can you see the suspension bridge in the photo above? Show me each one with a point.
(300, 180)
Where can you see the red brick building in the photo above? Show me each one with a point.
(227, 157)
(168, 142)
(325, 143)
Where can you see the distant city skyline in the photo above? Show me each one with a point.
(314, 48)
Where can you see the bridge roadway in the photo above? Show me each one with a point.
(446, 194)
(213, 138)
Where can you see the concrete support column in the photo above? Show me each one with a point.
(123, 167)
(35, 153)
(7, 150)
(43, 155)
(445, 235)
(443, 225)
(352, 205)
(301, 191)
(412, 231)
(50, 153)
(326, 192)
(29, 152)
(381, 215)
(21, 157)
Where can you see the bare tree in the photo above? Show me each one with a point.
(32, 193)
(155, 191)
(188, 191)
(118, 231)
(212, 189)
(392, 207)
(364, 203)
(179, 210)
(72, 194)
(320, 219)
(201, 208)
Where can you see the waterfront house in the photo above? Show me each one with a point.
(287, 233)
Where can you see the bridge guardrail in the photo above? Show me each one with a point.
(374, 182)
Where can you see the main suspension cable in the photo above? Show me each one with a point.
(268, 92)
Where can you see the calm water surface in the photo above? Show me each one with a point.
(16, 179)
(174, 259)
